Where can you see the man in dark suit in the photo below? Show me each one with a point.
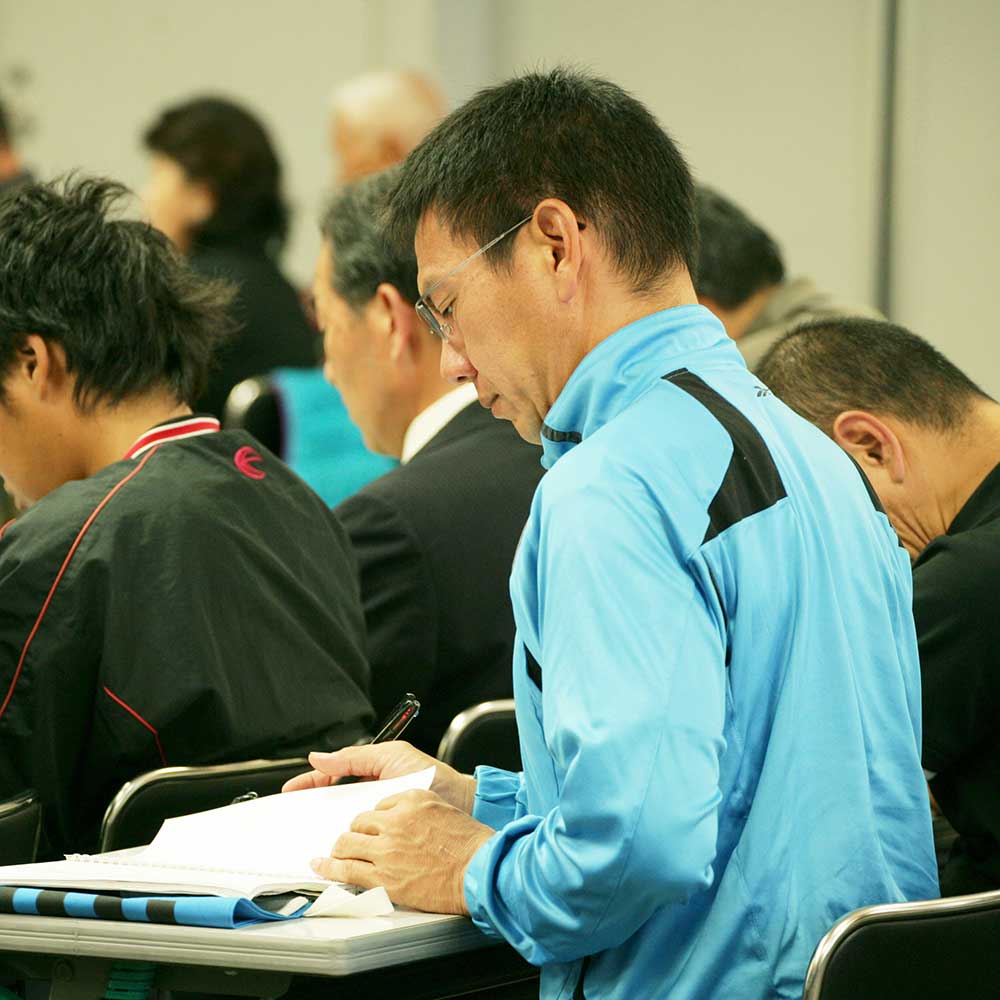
(435, 538)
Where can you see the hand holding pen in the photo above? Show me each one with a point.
(387, 757)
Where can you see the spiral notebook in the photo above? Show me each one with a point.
(247, 850)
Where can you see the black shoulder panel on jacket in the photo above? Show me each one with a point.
(752, 482)
(560, 437)
(534, 668)
(872, 495)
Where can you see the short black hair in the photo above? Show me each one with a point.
(130, 315)
(560, 134)
(363, 256)
(824, 367)
(737, 257)
(225, 146)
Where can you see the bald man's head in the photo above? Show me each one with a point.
(377, 118)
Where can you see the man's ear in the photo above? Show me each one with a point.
(872, 443)
(397, 323)
(41, 366)
(557, 231)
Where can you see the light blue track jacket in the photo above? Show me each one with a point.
(717, 688)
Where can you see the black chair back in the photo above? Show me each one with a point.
(483, 734)
(20, 829)
(138, 810)
(253, 406)
(941, 949)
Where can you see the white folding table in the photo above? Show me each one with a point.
(77, 955)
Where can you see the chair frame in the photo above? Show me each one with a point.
(830, 943)
(241, 397)
(469, 717)
(25, 800)
(164, 774)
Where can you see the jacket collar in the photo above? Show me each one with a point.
(982, 507)
(173, 430)
(622, 367)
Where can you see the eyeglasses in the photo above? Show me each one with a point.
(425, 307)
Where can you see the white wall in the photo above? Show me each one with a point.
(947, 209)
(775, 103)
(103, 69)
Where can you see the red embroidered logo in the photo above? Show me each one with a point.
(245, 460)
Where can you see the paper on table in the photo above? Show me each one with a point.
(94, 874)
(276, 834)
(336, 901)
(248, 849)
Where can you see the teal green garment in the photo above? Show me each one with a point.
(321, 444)
(717, 688)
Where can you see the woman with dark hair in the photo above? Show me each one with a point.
(215, 190)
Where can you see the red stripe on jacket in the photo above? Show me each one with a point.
(135, 715)
(61, 573)
(191, 427)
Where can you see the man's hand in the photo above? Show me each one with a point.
(386, 760)
(416, 845)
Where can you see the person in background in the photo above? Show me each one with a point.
(715, 665)
(214, 189)
(377, 118)
(434, 539)
(374, 121)
(741, 278)
(928, 439)
(172, 594)
(13, 173)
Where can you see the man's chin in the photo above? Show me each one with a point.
(527, 427)
(529, 430)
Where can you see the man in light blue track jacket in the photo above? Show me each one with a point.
(716, 668)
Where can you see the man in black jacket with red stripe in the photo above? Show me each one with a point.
(173, 594)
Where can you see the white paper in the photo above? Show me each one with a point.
(276, 834)
(94, 874)
(261, 846)
(336, 901)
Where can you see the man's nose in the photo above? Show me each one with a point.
(455, 366)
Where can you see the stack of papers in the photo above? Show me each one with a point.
(255, 848)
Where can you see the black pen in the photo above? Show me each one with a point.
(399, 718)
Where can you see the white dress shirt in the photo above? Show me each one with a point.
(428, 422)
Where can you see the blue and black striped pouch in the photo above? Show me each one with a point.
(194, 911)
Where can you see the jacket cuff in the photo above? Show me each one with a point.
(476, 884)
(495, 803)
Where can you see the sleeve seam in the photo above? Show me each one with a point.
(638, 813)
